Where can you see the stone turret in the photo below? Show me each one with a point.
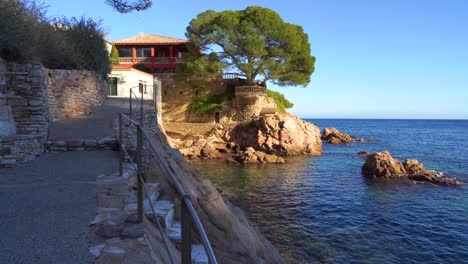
(252, 101)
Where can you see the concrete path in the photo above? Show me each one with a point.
(47, 204)
(98, 124)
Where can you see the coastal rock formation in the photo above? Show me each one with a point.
(334, 136)
(281, 135)
(250, 155)
(260, 141)
(364, 153)
(415, 171)
(383, 165)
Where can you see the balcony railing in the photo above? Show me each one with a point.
(125, 60)
(164, 75)
(150, 60)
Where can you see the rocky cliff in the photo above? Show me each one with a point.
(283, 135)
(261, 140)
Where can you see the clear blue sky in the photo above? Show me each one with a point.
(375, 59)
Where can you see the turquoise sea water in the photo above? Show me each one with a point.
(320, 209)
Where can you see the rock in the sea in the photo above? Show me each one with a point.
(416, 172)
(334, 136)
(250, 155)
(383, 165)
(281, 135)
(363, 153)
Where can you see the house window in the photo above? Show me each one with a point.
(143, 52)
(162, 53)
(125, 52)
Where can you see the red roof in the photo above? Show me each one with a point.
(150, 39)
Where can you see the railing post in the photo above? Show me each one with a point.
(186, 232)
(130, 97)
(141, 109)
(121, 157)
(140, 174)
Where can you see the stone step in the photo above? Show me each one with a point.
(199, 255)
(81, 144)
(123, 251)
(162, 207)
(174, 231)
(128, 170)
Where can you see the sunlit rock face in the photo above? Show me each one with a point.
(383, 165)
(334, 136)
(282, 135)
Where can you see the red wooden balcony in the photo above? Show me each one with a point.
(151, 60)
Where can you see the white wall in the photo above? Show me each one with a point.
(130, 78)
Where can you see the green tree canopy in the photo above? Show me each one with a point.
(255, 42)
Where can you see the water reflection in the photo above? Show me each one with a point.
(275, 197)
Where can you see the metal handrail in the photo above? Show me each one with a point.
(189, 214)
(140, 179)
(140, 100)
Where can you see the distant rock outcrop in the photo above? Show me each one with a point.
(383, 165)
(334, 136)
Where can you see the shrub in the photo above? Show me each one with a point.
(281, 102)
(212, 103)
(114, 56)
(26, 33)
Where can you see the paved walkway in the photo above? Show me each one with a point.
(47, 204)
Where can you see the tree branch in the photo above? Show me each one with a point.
(124, 6)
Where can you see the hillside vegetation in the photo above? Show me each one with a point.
(26, 33)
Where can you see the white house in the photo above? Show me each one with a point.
(122, 79)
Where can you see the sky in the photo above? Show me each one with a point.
(375, 59)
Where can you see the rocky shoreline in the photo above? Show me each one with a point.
(264, 140)
(269, 139)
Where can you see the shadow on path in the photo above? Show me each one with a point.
(47, 204)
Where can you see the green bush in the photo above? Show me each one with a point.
(281, 102)
(27, 34)
(114, 56)
(212, 103)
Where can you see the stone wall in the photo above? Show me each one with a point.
(177, 99)
(31, 97)
(25, 93)
(74, 93)
(249, 102)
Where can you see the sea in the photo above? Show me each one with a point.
(320, 209)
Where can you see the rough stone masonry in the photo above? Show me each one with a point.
(31, 97)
